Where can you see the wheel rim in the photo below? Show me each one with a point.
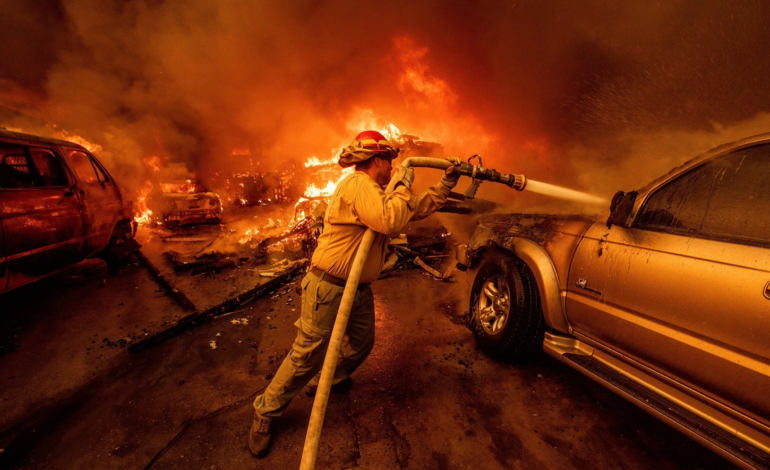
(494, 305)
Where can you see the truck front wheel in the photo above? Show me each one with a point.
(507, 320)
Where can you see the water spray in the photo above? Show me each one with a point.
(313, 438)
(520, 182)
(564, 193)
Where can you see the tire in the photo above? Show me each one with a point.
(506, 317)
(119, 236)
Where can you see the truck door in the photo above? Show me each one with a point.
(685, 289)
(101, 199)
(41, 215)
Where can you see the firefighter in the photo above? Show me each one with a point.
(358, 203)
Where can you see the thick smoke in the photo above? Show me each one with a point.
(591, 95)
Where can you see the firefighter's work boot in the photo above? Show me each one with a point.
(259, 437)
(342, 387)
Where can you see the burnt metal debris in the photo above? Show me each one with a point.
(212, 261)
(426, 251)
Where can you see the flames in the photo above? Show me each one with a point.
(152, 162)
(90, 146)
(324, 169)
(248, 236)
(416, 76)
(143, 215)
(327, 190)
(325, 175)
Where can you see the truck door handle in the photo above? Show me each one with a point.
(69, 192)
(767, 290)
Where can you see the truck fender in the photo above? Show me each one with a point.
(551, 297)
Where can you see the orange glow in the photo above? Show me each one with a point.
(249, 235)
(539, 145)
(153, 162)
(90, 146)
(416, 74)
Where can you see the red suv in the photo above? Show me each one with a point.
(58, 205)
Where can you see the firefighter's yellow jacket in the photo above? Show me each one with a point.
(359, 203)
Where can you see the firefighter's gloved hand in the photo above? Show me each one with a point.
(452, 174)
(405, 175)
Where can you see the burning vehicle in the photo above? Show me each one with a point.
(58, 206)
(665, 304)
(184, 202)
(260, 189)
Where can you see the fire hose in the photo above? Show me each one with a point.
(313, 437)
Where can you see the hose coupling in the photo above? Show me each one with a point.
(480, 173)
(518, 183)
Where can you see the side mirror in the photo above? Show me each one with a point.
(620, 208)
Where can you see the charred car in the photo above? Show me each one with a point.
(184, 202)
(667, 303)
(58, 205)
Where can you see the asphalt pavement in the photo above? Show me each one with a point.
(427, 398)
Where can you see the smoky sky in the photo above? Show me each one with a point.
(527, 82)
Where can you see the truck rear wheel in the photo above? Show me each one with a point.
(507, 320)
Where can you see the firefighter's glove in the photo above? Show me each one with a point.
(452, 174)
(405, 175)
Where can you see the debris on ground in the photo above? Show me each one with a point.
(240, 321)
(304, 236)
(118, 343)
(223, 308)
(280, 267)
(212, 261)
(175, 238)
(435, 273)
(213, 344)
(409, 251)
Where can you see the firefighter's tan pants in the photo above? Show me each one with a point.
(320, 302)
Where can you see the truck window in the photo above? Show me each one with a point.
(83, 167)
(726, 198)
(16, 171)
(16, 168)
(100, 173)
(49, 167)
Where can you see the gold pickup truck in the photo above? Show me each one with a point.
(667, 303)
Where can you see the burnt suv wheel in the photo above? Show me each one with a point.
(507, 320)
(112, 254)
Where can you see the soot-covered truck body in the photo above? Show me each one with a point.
(666, 303)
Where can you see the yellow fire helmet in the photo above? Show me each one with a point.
(366, 145)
